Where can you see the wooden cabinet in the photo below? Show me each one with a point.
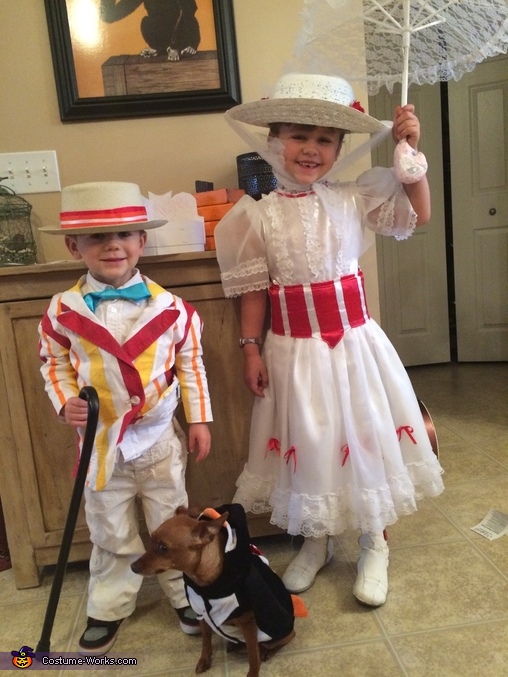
(38, 453)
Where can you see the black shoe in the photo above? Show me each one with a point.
(189, 622)
(99, 636)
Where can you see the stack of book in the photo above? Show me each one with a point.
(212, 206)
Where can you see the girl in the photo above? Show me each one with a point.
(337, 438)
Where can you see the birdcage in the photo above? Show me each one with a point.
(17, 243)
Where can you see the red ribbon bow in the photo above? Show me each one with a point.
(290, 453)
(357, 106)
(273, 445)
(409, 432)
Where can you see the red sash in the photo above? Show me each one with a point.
(322, 309)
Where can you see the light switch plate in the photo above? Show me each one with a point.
(33, 172)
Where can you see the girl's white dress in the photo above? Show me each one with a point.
(338, 441)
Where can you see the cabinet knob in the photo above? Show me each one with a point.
(492, 211)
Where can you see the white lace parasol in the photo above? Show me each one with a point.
(381, 42)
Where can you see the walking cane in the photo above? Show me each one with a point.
(90, 395)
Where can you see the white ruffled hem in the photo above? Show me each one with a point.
(350, 508)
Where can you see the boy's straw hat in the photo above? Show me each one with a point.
(102, 207)
(307, 99)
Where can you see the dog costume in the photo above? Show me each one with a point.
(247, 583)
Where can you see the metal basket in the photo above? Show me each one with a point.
(17, 243)
(255, 175)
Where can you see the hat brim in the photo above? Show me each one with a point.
(306, 112)
(120, 228)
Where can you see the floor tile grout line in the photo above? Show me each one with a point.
(76, 619)
(487, 559)
(472, 541)
(388, 641)
(453, 626)
(486, 453)
(386, 636)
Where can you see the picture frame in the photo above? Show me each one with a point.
(135, 85)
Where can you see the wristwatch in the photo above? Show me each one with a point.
(243, 341)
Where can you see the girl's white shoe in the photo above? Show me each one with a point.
(371, 585)
(314, 554)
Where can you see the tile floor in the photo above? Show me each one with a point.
(447, 610)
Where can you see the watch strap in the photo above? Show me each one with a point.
(244, 341)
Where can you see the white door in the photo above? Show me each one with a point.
(478, 105)
(412, 273)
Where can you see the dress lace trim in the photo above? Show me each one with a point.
(386, 221)
(314, 247)
(246, 269)
(247, 276)
(349, 508)
(279, 239)
(411, 228)
(287, 192)
(238, 290)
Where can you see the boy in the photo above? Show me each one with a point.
(138, 345)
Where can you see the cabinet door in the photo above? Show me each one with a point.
(212, 482)
(412, 274)
(479, 163)
(38, 452)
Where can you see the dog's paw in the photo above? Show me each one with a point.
(203, 664)
(147, 53)
(264, 653)
(173, 54)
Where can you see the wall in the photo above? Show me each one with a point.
(161, 153)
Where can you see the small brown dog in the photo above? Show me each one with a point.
(228, 582)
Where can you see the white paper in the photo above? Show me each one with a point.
(493, 525)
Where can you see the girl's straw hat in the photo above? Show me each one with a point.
(321, 100)
(102, 207)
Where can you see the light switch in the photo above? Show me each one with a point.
(34, 172)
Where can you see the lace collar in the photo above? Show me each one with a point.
(300, 192)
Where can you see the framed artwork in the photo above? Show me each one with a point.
(137, 58)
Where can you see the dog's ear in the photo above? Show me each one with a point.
(181, 510)
(205, 532)
(194, 511)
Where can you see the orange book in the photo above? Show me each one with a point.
(215, 212)
(210, 227)
(219, 196)
(211, 197)
(234, 194)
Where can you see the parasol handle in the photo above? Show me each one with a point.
(406, 40)
(405, 74)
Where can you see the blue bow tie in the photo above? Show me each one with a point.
(136, 292)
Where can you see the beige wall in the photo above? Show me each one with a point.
(160, 153)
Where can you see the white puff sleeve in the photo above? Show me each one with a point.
(241, 251)
(385, 205)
